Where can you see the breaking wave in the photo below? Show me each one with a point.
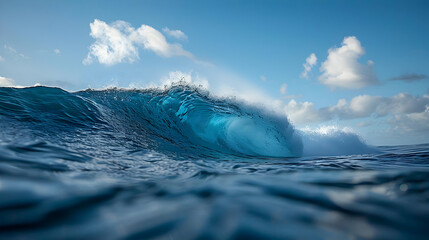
(179, 117)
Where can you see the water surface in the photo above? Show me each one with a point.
(178, 163)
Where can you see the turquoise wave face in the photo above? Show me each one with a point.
(192, 119)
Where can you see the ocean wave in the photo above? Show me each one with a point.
(178, 118)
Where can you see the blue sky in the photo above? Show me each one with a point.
(252, 47)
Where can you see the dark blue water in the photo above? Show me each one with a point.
(178, 163)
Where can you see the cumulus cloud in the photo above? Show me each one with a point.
(365, 105)
(410, 77)
(119, 42)
(413, 122)
(308, 65)
(175, 33)
(342, 69)
(6, 82)
(304, 112)
(283, 88)
(359, 107)
(112, 43)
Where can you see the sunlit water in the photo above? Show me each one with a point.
(180, 164)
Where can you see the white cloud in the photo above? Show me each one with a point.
(403, 103)
(175, 33)
(362, 106)
(1, 59)
(6, 82)
(413, 122)
(283, 88)
(310, 61)
(342, 69)
(112, 44)
(365, 105)
(304, 112)
(153, 40)
(57, 51)
(119, 42)
(359, 106)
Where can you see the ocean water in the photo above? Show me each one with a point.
(178, 163)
